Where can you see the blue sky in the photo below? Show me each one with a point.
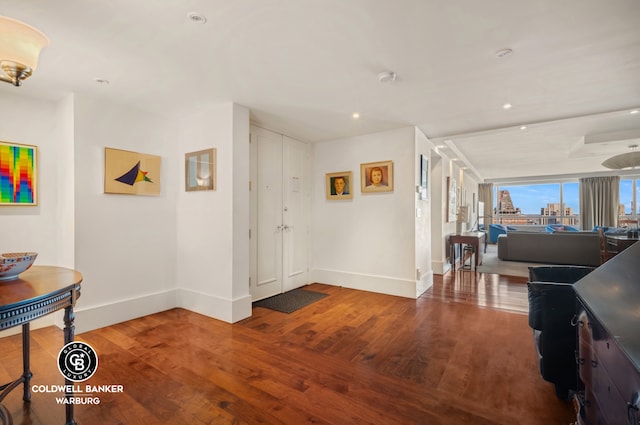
(530, 198)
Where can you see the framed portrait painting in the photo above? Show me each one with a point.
(200, 170)
(376, 177)
(339, 185)
(18, 174)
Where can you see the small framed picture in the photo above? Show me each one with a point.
(339, 185)
(200, 170)
(424, 177)
(376, 177)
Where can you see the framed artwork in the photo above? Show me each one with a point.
(339, 185)
(200, 170)
(376, 177)
(131, 173)
(424, 177)
(452, 201)
(18, 174)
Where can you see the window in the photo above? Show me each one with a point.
(538, 204)
(628, 212)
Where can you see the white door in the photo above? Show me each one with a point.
(279, 195)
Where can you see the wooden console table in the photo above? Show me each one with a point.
(39, 291)
(475, 239)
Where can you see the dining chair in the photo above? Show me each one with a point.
(605, 253)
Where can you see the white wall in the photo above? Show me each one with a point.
(367, 242)
(423, 220)
(125, 244)
(44, 228)
(213, 226)
(35, 228)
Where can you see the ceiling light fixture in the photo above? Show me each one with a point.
(20, 46)
(523, 127)
(355, 115)
(387, 77)
(196, 17)
(503, 53)
(626, 160)
(507, 106)
(635, 111)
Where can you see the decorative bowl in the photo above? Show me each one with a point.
(14, 263)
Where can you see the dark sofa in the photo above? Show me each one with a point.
(571, 248)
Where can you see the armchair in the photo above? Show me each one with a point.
(561, 228)
(552, 305)
(496, 230)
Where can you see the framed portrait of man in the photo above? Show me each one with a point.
(376, 176)
(339, 185)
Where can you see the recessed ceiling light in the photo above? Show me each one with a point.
(635, 111)
(355, 115)
(198, 18)
(507, 106)
(387, 77)
(503, 53)
(523, 127)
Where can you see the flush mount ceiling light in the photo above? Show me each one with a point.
(635, 111)
(387, 77)
(355, 115)
(625, 160)
(196, 17)
(503, 53)
(507, 106)
(20, 46)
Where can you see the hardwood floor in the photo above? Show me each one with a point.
(450, 357)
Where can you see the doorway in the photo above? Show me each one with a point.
(280, 197)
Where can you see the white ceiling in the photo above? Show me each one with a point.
(304, 66)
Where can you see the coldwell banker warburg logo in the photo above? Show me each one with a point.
(77, 361)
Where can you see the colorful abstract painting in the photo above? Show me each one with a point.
(18, 182)
(132, 173)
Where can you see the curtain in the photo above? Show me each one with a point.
(485, 194)
(599, 200)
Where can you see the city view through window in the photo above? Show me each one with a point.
(557, 203)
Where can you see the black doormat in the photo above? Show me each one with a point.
(290, 301)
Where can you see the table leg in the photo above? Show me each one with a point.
(26, 362)
(69, 333)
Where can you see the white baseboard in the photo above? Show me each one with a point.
(380, 284)
(224, 309)
(95, 317)
(440, 267)
(424, 283)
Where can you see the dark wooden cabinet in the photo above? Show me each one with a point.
(608, 331)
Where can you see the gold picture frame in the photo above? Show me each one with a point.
(339, 185)
(200, 170)
(376, 177)
(131, 173)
